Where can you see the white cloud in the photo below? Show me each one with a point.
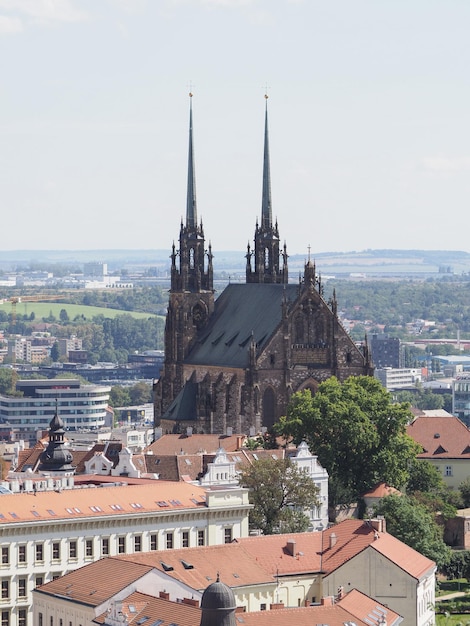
(446, 164)
(45, 11)
(10, 25)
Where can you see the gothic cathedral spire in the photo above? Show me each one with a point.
(266, 254)
(194, 272)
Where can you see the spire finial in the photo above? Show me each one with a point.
(266, 210)
(309, 247)
(191, 207)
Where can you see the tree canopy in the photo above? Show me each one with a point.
(356, 431)
(412, 523)
(280, 493)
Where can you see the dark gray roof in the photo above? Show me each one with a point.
(183, 406)
(240, 311)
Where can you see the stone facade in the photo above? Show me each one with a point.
(236, 361)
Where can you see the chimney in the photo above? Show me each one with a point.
(164, 595)
(277, 605)
(290, 547)
(333, 540)
(229, 431)
(191, 601)
(327, 601)
(189, 431)
(240, 441)
(379, 524)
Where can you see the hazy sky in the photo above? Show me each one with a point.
(369, 115)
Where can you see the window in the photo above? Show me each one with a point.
(5, 589)
(73, 550)
(105, 546)
(228, 535)
(89, 547)
(121, 545)
(22, 588)
(6, 618)
(185, 539)
(52, 621)
(39, 552)
(22, 553)
(154, 541)
(200, 537)
(5, 555)
(169, 541)
(40, 618)
(22, 617)
(262, 607)
(56, 576)
(56, 551)
(39, 581)
(448, 471)
(138, 543)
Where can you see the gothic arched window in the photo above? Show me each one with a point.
(269, 407)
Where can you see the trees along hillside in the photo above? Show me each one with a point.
(280, 492)
(356, 431)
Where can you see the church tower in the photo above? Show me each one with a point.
(191, 299)
(266, 255)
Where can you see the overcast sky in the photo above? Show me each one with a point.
(369, 121)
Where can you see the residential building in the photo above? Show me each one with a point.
(394, 378)
(445, 442)
(45, 534)
(264, 573)
(80, 406)
(386, 351)
(461, 397)
(235, 361)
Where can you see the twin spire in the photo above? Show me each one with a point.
(266, 254)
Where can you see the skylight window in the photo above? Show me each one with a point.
(51, 512)
(35, 513)
(76, 510)
(142, 620)
(14, 515)
(71, 511)
(162, 503)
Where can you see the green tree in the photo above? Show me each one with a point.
(280, 493)
(119, 396)
(8, 378)
(140, 393)
(464, 489)
(55, 352)
(411, 522)
(356, 431)
(64, 316)
(424, 476)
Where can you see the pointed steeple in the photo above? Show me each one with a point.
(191, 206)
(266, 254)
(266, 206)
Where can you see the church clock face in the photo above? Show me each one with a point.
(199, 316)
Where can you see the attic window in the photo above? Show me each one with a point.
(176, 503)
(188, 462)
(35, 513)
(142, 620)
(132, 608)
(436, 435)
(232, 339)
(218, 338)
(162, 503)
(51, 512)
(166, 567)
(187, 565)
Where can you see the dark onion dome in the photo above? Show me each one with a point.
(218, 605)
(56, 457)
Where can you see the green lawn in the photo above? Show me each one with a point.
(453, 620)
(43, 309)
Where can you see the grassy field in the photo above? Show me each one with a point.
(43, 309)
(453, 620)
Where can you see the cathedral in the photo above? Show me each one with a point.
(233, 362)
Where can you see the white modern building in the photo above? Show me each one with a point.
(80, 406)
(398, 378)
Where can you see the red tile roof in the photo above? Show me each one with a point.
(195, 444)
(441, 437)
(138, 605)
(382, 490)
(157, 496)
(79, 586)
